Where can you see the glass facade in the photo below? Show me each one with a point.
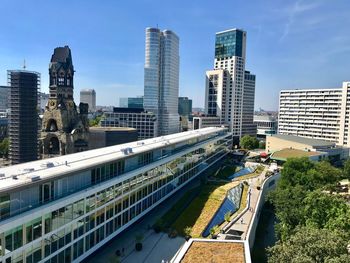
(229, 44)
(162, 79)
(122, 193)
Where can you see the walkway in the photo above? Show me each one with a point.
(242, 224)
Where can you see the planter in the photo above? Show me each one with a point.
(138, 246)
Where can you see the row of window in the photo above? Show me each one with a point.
(186, 165)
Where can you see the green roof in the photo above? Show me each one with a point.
(284, 154)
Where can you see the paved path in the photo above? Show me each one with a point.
(247, 216)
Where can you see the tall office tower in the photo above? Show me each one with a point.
(162, 78)
(23, 130)
(89, 96)
(64, 129)
(248, 125)
(185, 106)
(226, 92)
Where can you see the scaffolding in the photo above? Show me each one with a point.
(24, 115)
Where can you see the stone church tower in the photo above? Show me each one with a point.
(65, 130)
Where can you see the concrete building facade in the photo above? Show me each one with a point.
(266, 125)
(316, 113)
(89, 96)
(161, 79)
(100, 137)
(143, 121)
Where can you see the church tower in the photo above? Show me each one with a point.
(65, 130)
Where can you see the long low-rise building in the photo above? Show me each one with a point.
(143, 121)
(64, 208)
(288, 146)
(316, 113)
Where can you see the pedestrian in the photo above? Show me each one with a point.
(123, 250)
(242, 220)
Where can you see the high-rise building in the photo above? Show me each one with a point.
(132, 102)
(89, 96)
(185, 106)
(162, 78)
(316, 113)
(4, 98)
(24, 118)
(248, 125)
(64, 129)
(230, 89)
(65, 208)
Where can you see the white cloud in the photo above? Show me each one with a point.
(293, 12)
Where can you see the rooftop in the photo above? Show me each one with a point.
(207, 250)
(284, 154)
(26, 173)
(112, 129)
(303, 140)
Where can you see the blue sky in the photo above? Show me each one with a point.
(291, 44)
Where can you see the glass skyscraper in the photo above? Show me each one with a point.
(230, 89)
(162, 78)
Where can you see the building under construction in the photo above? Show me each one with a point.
(23, 124)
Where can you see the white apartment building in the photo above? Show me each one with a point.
(230, 89)
(316, 113)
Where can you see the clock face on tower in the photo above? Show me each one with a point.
(52, 104)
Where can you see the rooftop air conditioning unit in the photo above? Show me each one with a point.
(2, 175)
(34, 178)
(50, 164)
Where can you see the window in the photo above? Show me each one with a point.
(60, 81)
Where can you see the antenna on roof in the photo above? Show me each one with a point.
(24, 64)
(157, 26)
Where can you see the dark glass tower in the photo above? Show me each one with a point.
(23, 130)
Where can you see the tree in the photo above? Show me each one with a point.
(262, 145)
(346, 170)
(227, 216)
(309, 244)
(326, 211)
(4, 147)
(95, 121)
(287, 203)
(249, 142)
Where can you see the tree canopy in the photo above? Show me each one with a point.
(4, 147)
(313, 225)
(249, 142)
(309, 245)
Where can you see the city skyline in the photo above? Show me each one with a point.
(289, 44)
